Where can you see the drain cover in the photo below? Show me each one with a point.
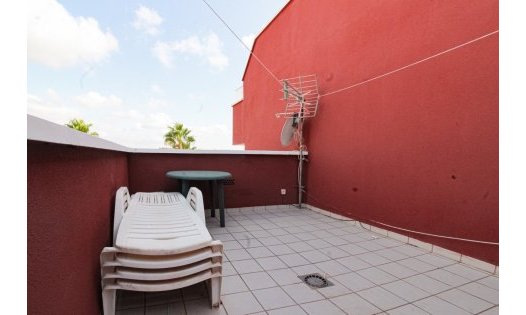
(315, 280)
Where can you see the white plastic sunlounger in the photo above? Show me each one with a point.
(169, 226)
(161, 243)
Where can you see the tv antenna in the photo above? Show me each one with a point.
(301, 101)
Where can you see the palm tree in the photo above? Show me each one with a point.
(82, 126)
(178, 137)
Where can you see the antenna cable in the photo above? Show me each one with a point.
(242, 43)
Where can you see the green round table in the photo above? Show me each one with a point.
(215, 179)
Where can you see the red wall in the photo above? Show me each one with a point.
(237, 118)
(70, 204)
(258, 178)
(416, 149)
(71, 193)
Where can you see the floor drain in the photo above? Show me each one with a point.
(316, 280)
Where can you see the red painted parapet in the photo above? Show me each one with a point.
(71, 193)
(237, 121)
(258, 179)
(70, 196)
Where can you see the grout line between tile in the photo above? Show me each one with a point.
(412, 241)
(309, 223)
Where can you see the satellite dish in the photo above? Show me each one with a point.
(288, 130)
(301, 101)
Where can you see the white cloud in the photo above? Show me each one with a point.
(145, 129)
(156, 89)
(50, 110)
(96, 100)
(53, 94)
(131, 117)
(158, 121)
(136, 129)
(140, 126)
(208, 47)
(147, 20)
(163, 52)
(213, 137)
(57, 39)
(155, 103)
(196, 97)
(213, 52)
(248, 40)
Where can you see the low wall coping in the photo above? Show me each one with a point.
(45, 131)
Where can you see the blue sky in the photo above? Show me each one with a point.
(133, 67)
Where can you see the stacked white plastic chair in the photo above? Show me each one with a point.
(160, 243)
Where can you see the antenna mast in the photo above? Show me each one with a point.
(301, 97)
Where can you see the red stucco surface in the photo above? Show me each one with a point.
(237, 114)
(258, 178)
(70, 193)
(416, 149)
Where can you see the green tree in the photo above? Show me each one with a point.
(82, 126)
(178, 137)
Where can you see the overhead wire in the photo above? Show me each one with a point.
(358, 84)
(400, 228)
(436, 235)
(355, 84)
(241, 41)
(389, 73)
(302, 147)
(409, 65)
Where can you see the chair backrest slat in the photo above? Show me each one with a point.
(195, 199)
(122, 201)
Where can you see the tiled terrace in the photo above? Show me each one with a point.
(266, 250)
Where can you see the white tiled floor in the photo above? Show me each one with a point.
(266, 251)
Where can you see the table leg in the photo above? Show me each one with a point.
(212, 199)
(184, 187)
(221, 203)
(179, 185)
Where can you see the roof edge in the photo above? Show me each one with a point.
(236, 103)
(261, 32)
(42, 130)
